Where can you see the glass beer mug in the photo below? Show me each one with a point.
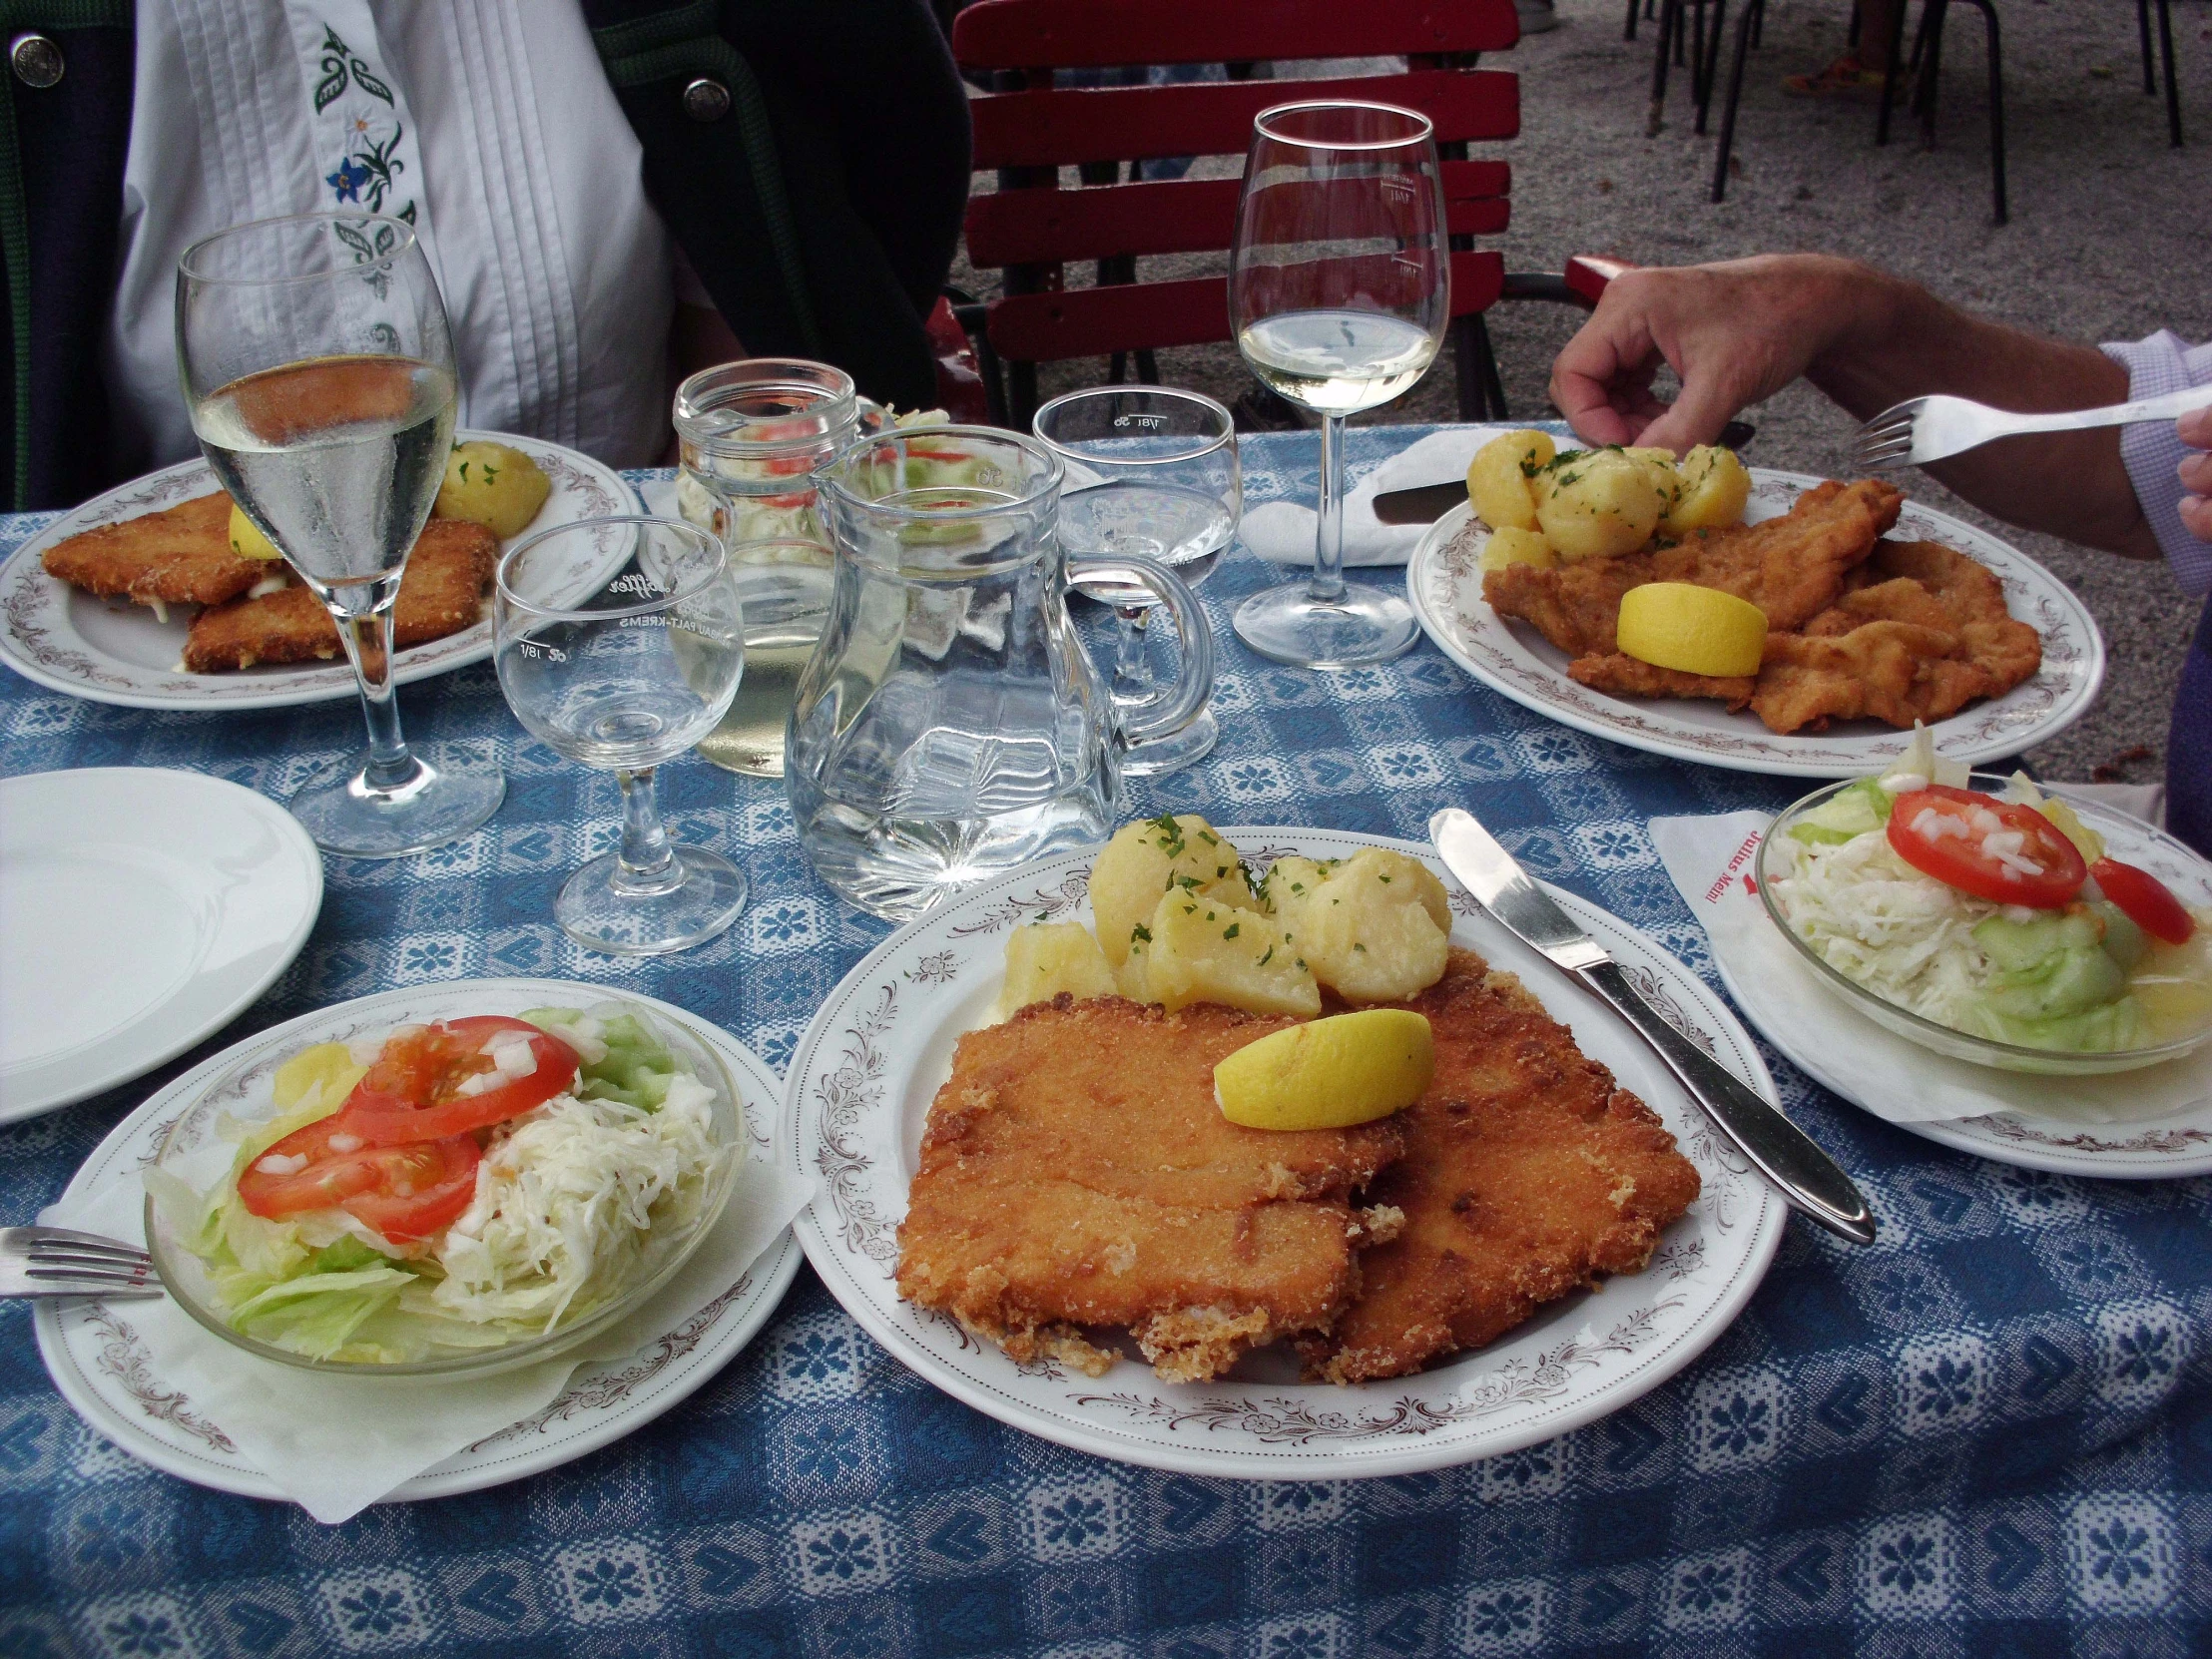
(751, 434)
(950, 726)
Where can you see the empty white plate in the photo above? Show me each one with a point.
(140, 911)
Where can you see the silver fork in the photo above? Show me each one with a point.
(1923, 430)
(58, 1260)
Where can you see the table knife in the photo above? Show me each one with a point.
(1806, 1176)
(1426, 503)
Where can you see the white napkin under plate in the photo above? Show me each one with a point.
(1282, 531)
(336, 1444)
(1893, 1077)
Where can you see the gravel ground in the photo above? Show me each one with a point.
(2107, 240)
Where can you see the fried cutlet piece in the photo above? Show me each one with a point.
(1527, 1173)
(441, 593)
(1791, 567)
(1076, 1171)
(1626, 676)
(1919, 637)
(180, 556)
(1875, 669)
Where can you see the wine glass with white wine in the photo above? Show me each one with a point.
(318, 370)
(1339, 288)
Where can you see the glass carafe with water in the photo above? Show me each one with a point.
(950, 725)
(752, 433)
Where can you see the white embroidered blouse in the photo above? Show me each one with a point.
(487, 123)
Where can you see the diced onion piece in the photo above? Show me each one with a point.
(278, 1164)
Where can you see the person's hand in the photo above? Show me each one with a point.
(1733, 334)
(2196, 430)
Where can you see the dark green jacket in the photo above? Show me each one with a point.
(821, 208)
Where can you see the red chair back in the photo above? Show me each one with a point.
(1031, 227)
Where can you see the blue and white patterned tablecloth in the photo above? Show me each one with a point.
(1991, 1434)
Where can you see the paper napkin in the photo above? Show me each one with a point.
(1891, 1076)
(336, 1444)
(1284, 530)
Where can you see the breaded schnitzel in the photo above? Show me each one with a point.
(441, 593)
(1791, 567)
(1076, 1171)
(180, 556)
(1527, 1173)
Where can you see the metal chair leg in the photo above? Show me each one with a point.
(1931, 69)
(1148, 368)
(1996, 108)
(1735, 96)
(1670, 20)
(2142, 29)
(1021, 395)
(1889, 70)
(2166, 57)
(1629, 33)
(1708, 68)
(1858, 22)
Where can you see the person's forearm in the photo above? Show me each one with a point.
(1896, 340)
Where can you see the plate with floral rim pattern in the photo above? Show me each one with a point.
(104, 1368)
(113, 651)
(1443, 579)
(868, 1067)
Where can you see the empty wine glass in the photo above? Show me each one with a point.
(1154, 472)
(1339, 288)
(625, 677)
(319, 370)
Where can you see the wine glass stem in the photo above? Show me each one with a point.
(647, 861)
(1132, 663)
(367, 637)
(1329, 531)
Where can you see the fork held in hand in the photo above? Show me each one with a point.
(1923, 430)
(58, 1260)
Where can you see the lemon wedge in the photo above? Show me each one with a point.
(246, 541)
(1691, 630)
(1329, 1073)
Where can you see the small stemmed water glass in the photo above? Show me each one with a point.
(1154, 472)
(1339, 288)
(625, 677)
(319, 371)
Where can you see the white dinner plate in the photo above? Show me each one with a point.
(140, 911)
(1788, 1002)
(112, 651)
(874, 1057)
(1444, 581)
(107, 1373)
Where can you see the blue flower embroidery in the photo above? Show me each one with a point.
(1301, 1643)
(140, 1634)
(1946, 1386)
(349, 179)
(1074, 1521)
(2145, 1353)
(1739, 1425)
(1706, 1589)
(817, 1358)
(380, 1611)
(842, 1553)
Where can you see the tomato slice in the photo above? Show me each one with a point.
(414, 1090)
(2145, 901)
(1995, 849)
(405, 1193)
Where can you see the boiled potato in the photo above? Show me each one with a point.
(1498, 479)
(1659, 464)
(1144, 860)
(1048, 957)
(246, 540)
(1375, 930)
(1132, 978)
(492, 484)
(1593, 503)
(1207, 951)
(1512, 546)
(1714, 488)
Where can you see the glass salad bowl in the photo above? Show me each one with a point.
(2126, 839)
(201, 1145)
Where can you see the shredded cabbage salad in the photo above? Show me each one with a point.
(570, 1200)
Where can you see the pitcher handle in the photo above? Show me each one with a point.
(1164, 713)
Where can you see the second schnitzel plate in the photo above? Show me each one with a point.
(1444, 581)
(113, 651)
(867, 1071)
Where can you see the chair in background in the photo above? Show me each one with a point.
(1033, 226)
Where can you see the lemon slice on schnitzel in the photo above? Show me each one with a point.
(1329, 1073)
(1691, 630)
